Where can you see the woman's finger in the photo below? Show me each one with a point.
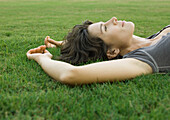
(37, 50)
(29, 54)
(45, 41)
(42, 48)
(31, 51)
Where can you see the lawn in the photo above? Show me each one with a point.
(27, 93)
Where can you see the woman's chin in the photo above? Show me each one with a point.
(131, 26)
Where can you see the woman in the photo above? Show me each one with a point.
(105, 40)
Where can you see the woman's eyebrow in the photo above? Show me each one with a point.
(101, 28)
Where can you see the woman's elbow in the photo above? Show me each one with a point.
(70, 77)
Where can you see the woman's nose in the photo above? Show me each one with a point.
(113, 20)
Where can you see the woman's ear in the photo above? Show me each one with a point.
(112, 53)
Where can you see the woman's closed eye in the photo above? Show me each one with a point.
(105, 28)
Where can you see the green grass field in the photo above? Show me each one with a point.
(27, 93)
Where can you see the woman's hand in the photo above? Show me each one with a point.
(52, 43)
(38, 52)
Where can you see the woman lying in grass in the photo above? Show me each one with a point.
(105, 40)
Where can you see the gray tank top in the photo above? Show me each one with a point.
(157, 55)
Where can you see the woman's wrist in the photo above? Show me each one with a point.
(40, 59)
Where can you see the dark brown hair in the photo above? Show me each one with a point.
(80, 47)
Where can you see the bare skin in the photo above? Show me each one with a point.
(52, 43)
(113, 70)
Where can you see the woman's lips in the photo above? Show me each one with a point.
(123, 23)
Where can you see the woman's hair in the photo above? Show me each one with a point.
(80, 47)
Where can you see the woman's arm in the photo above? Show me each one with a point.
(115, 70)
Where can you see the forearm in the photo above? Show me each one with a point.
(55, 69)
(115, 70)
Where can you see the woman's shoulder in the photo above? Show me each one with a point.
(162, 32)
(156, 55)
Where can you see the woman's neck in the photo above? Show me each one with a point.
(136, 43)
(139, 42)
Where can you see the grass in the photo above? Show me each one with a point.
(26, 92)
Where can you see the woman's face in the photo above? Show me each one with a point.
(113, 32)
